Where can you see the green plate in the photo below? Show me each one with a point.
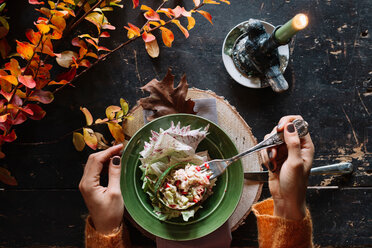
(215, 210)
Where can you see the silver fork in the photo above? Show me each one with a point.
(218, 166)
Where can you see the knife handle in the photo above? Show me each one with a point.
(333, 169)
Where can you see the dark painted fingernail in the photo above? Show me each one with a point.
(291, 128)
(271, 166)
(270, 154)
(116, 160)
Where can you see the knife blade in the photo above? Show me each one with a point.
(333, 169)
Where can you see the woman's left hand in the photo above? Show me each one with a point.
(105, 204)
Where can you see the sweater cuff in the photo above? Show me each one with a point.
(274, 231)
(94, 239)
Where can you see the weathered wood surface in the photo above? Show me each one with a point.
(330, 85)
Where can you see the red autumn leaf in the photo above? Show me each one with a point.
(9, 137)
(85, 63)
(78, 42)
(133, 30)
(3, 118)
(104, 35)
(20, 119)
(35, 2)
(147, 37)
(135, 3)
(150, 14)
(62, 82)
(25, 49)
(102, 48)
(90, 138)
(167, 36)
(6, 95)
(206, 15)
(68, 76)
(27, 81)
(6, 178)
(13, 67)
(42, 96)
(164, 99)
(38, 112)
(183, 30)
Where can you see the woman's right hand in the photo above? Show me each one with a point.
(289, 166)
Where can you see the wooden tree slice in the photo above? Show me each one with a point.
(240, 133)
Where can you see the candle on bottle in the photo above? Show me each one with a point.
(285, 32)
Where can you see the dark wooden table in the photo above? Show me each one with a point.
(330, 86)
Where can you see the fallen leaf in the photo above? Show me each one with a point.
(164, 99)
(78, 141)
(90, 138)
(116, 131)
(6, 178)
(88, 115)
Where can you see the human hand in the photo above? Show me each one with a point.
(105, 204)
(290, 165)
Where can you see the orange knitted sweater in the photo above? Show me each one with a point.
(272, 231)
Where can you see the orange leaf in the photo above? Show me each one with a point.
(58, 22)
(152, 48)
(88, 116)
(111, 110)
(43, 28)
(62, 82)
(44, 11)
(32, 36)
(135, 3)
(13, 67)
(69, 1)
(206, 15)
(168, 12)
(85, 63)
(210, 2)
(6, 178)
(191, 21)
(25, 49)
(99, 121)
(78, 141)
(132, 30)
(167, 36)
(89, 138)
(184, 30)
(91, 54)
(11, 79)
(147, 37)
(156, 24)
(225, 1)
(150, 15)
(116, 131)
(27, 81)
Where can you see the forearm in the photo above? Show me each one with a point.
(278, 232)
(94, 239)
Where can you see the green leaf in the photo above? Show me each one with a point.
(124, 106)
(78, 141)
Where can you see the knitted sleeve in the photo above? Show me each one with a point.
(278, 232)
(94, 239)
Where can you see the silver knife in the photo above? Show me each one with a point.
(333, 169)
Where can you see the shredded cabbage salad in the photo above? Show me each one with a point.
(183, 187)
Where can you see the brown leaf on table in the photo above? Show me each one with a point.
(164, 99)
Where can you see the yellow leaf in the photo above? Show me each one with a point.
(167, 36)
(225, 1)
(156, 24)
(183, 30)
(129, 117)
(210, 2)
(78, 141)
(88, 116)
(116, 131)
(90, 138)
(206, 15)
(191, 21)
(99, 121)
(111, 110)
(43, 28)
(11, 79)
(69, 1)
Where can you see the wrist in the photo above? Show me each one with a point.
(105, 228)
(289, 210)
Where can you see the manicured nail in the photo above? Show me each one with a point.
(116, 160)
(280, 125)
(271, 166)
(291, 128)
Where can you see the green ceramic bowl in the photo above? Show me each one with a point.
(215, 210)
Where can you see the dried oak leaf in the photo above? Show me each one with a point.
(164, 99)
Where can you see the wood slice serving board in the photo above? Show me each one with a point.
(240, 133)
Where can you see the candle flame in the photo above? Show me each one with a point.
(300, 21)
